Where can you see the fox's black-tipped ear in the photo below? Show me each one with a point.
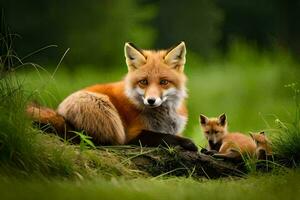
(134, 56)
(203, 119)
(175, 57)
(262, 133)
(222, 119)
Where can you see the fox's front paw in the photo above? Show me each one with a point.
(211, 152)
(208, 152)
(203, 150)
(188, 144)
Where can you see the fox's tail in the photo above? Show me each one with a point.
(47, 117)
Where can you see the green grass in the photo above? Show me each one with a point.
(25, 151)
(248, 86)
(286, 141)
(270, 186)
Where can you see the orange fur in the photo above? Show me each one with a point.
(128, 112)
(263, 145)
(46, 116)
(230, 145)
(153, 70)
(151, 97)
(238, 142)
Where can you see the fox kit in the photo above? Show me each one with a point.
(146, 107)
(263, 145)
(223, 144)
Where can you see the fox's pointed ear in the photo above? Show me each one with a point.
(175, 57)
(222, 119)
(203, 119)
(134, 56)
(262, 133)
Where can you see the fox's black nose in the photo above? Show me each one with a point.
(151, 101)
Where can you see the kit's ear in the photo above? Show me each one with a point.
(251, 135)
(222, 119)
(203, 119)
(262, 133)
(134, 56)
(175, 57)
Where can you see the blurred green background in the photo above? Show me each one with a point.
(240, 56)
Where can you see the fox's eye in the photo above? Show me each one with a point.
(163, 82)
(207, 132)
(143, 82)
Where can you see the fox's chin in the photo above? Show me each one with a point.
(152, 106)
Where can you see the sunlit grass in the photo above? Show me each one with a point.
(248, 87)
(268, 186)
(286, 142)
(27, 152)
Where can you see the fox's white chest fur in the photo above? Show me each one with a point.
(164, 119)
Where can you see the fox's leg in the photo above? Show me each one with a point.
(95, 114)
(230, 154)
(212, 148)
(209, 152)
(226, 152)
(154, 139)
(261, 154)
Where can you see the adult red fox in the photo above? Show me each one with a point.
(147, 107)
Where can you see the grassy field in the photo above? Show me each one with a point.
(248, 85)
(270, 186)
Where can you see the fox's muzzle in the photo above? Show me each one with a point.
(152, 101)
(152, 96)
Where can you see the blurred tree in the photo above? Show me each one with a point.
(95, 31)
(207, 25)
(195, 21)
(263, 22)
(289, 25)
(250, 20)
